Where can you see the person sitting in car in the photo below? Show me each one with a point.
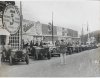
(41, 44)
(36, 44)
(57, 43)
(31, 44)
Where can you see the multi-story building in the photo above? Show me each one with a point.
(40, 31)
(47, 32)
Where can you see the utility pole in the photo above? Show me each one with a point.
(87, 31)
(82, 35)
(21, 18)
(52, 29)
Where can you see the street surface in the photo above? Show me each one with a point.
(83, 64)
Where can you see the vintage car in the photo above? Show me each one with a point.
(40, 52)
(70, 49)
(5, 54)
(94, 46)
(55, 51)
(98, 45)
(15, 55)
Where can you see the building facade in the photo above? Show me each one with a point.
(40, 31)
(37, 31)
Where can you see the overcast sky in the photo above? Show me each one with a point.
(69, 14)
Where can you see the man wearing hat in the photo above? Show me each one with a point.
(63, 52)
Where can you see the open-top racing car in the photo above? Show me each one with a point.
(15, 55)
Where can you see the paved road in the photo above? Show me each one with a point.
(84, 64)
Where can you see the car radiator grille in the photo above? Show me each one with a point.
(19, 54)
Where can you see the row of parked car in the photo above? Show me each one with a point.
(38, 52)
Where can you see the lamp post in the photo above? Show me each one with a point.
(52, 29)
(88, 32)
(21, 18)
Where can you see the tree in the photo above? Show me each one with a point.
(3, 4)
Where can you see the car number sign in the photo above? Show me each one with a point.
(11, 19)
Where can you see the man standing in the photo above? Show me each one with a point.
(63, 52)
(41, 43)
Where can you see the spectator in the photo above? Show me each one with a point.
(31, 44)
(41, 43)
(7, 50)
(63, 52)
(57, 43)
(36, 43)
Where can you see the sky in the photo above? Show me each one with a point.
(69, 14)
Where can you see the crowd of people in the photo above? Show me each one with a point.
(32, 43)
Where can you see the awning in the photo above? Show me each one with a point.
(4, 32)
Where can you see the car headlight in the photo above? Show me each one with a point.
(50, 49)
(24, 51)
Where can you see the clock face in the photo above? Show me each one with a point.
(11, 19)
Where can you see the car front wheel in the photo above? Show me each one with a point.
(27, 59)
(10, 60)
(49, 55)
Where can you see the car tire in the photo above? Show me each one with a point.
(27, 59)
(10, 60)
(2, 58)
(52, 55)
(49, 56)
